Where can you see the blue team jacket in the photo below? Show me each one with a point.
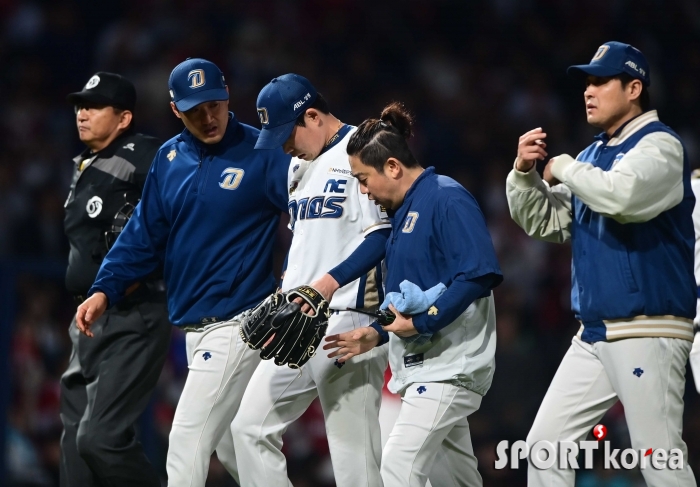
(209, 213)
(632, 270)
(438, 235)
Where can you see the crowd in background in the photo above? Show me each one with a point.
(477, 74)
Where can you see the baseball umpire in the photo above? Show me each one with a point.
(209, 213)
(109, 378)
(626, 204)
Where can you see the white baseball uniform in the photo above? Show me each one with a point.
(330, 217)
(220, 366)
(695, 351)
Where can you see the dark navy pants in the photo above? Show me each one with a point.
(107, 386)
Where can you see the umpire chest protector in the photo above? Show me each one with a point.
(625, 271)
(103, 182)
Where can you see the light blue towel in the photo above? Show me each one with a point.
(412, 301)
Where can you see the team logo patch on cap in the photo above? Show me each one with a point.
(92, 82)
(600, 52)
(262, 115)
(196, 78)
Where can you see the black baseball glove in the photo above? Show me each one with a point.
(278, 328)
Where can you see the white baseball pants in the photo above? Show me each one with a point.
(646, 374)
(431, 438)
(220, 366)
(350, 396)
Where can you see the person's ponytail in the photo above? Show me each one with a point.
(397, 116)
(376, 140)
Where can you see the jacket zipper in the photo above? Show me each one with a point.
(196, 177)
(205, 174)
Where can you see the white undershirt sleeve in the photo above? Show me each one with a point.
(543, 212)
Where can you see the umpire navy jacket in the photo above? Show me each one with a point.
(108, 180)
(626, 204)
(209, 213)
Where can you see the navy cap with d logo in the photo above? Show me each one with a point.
(280, 103)
(613, 58)
(196, 81)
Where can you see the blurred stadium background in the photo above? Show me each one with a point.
(476, 73)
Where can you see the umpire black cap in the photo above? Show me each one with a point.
(107, 89)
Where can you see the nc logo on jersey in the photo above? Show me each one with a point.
(196, 78)
(335, 186)
(232, 178)
(600, 52)
(94, 206)
(262, 115)
(410, 224)
(316, 207)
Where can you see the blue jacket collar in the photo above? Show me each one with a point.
(429, 171)
(603, 137)
(398, 214)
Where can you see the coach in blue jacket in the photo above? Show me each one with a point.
(626, 204)
(209, 213)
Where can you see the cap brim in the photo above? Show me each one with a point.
(275, 137)
(200, 97)
(582, 70)
(92, 97)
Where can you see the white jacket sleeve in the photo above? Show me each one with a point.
(543, 212)
(645, 182)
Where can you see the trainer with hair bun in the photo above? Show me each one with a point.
(439, 239)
